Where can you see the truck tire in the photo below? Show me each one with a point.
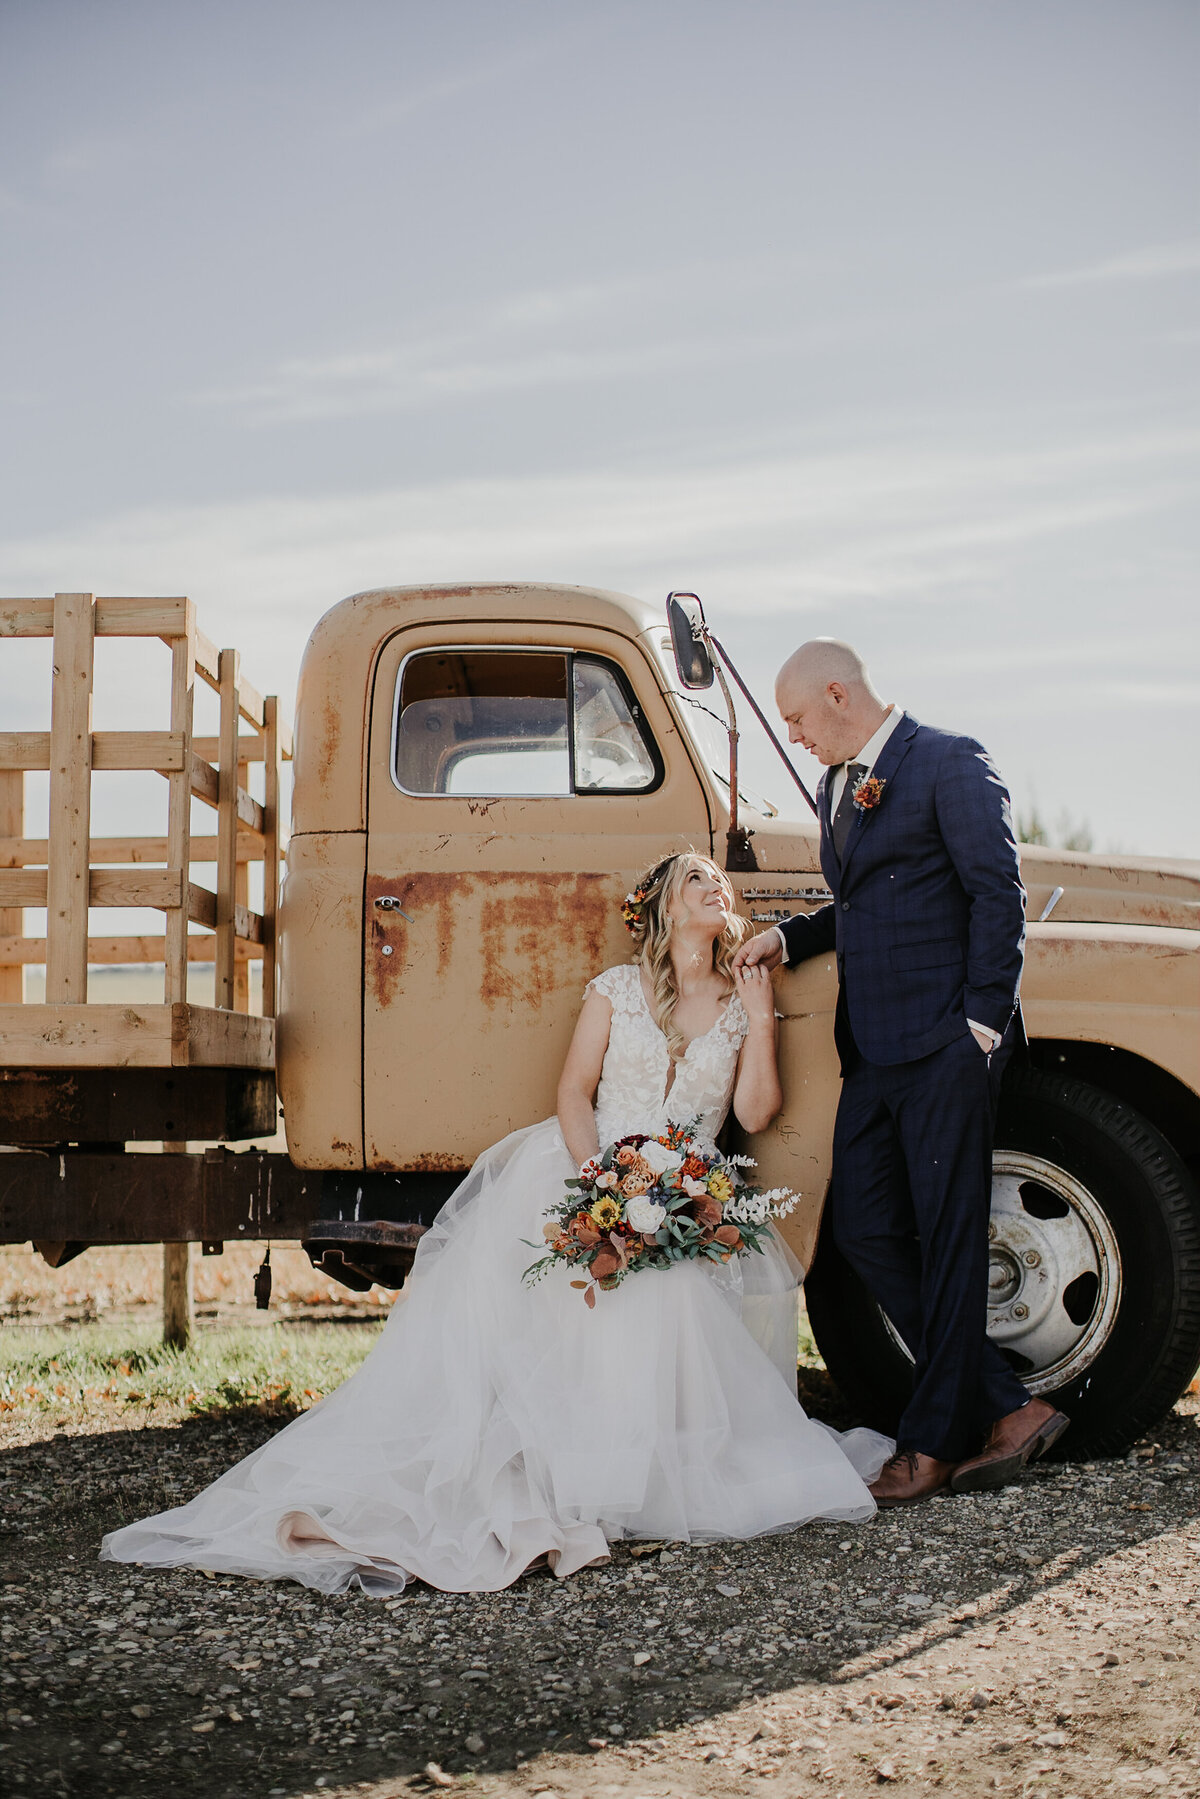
(1094, 1276)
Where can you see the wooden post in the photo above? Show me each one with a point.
(12, 919)
(270, 901)
(179, 809)
(241, 893)
(178, 1285)
(70, 799)
(229, 668)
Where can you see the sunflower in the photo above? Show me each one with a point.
(606, 1212)
(720, 1186)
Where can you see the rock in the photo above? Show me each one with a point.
(204, 1726)
(141, 1711)
(641, 1658)
(301, 1693)
(884, 1771)
(474, 1744)
(979, 1702)
(728, 1589)
(1051, 1739)
(434, 1773)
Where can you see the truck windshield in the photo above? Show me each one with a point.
(704, 715)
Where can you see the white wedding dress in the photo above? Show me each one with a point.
(495, 1425)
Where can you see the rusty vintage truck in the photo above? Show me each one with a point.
(479, 773)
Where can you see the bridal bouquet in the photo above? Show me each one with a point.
(648, 1202)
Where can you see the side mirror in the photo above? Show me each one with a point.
(693, 664)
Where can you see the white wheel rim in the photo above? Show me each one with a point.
(1038, 1266)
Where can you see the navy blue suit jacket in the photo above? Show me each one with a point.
(928, 911)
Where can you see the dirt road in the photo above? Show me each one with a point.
(1044, 1639)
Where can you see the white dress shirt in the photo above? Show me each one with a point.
(867, 757)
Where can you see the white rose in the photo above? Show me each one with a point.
(645, 1215)
(658, 1157)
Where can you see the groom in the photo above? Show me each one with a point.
(928, 923)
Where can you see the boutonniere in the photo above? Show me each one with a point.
(868, 793)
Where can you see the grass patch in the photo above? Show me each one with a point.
(268, 1369)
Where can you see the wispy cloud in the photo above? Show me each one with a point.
(785, 531)
(574, 334)
(383, 116)
(1155, 263)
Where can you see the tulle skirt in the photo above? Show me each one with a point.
(496, 1425)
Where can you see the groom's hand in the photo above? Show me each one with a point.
(763, 951)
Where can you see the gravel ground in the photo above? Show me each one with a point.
(1042, 1639)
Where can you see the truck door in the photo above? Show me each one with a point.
(515, 791)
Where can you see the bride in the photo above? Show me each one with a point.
(496, 1426)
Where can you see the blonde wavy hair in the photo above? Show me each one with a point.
(651, 930)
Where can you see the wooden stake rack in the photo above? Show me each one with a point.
(70, 870)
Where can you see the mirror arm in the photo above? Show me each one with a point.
(723, 657)
(733, 750)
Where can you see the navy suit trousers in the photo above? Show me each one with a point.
(910, 1200)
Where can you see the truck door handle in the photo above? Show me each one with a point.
(387, 902)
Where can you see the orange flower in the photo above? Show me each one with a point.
(626, 1155)
(694, 1168)
(634, 1185)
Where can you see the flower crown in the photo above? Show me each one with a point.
(633, 911)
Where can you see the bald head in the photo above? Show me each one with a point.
(827, 699)
(822, 660)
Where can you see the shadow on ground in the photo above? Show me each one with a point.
(121, 1681)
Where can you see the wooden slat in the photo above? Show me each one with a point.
(248, 927)
(126, 1036)
(70, 798)
(250, 703)
(227, 819)
(249, 747)
(205, 783)
(270, 742)
(158, 887)
(17, 951)
(202, 907)
(206, 786)
(179, 803)
(161, 750)
(125, 616)
(26, 618)
(24, 749)
(12, 824)
(22, 887)
(208, 661)
(30, 852)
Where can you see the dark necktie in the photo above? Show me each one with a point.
(843, 818)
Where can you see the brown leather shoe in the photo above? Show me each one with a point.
(1012, 1442)
(908, 1477)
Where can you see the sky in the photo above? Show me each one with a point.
(877, 321)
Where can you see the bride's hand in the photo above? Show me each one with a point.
(756, 992)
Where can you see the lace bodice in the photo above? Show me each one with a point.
(633, 1095)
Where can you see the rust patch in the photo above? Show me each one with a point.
(431, 1161)
(331, 737)
(527, 928)
(528, 937)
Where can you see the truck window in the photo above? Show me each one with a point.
(483, 723)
